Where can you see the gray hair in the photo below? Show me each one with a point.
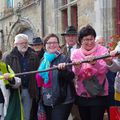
(98, 37)
(19, 37)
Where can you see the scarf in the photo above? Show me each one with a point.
(90, 52)
(88, 70)
(45, 64)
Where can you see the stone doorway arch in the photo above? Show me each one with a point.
(20, 26)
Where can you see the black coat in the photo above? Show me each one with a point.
(62, 90)
(13, 60)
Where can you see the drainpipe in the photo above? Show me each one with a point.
(2, 40)
(42, 18)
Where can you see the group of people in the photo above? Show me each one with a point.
(68, 89)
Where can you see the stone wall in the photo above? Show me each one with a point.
(101, 14)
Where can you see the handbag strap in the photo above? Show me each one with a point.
(104, 82)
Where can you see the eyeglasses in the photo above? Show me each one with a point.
(87, 39)
(49, 43)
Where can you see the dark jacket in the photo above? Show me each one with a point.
(62, 90)
(40, 54)
(64, 48)
(13, 60)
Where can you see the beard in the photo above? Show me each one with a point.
(22, 49)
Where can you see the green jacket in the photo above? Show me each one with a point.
(14, 110)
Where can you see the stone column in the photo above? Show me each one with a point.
(69, 13)
(103, 18)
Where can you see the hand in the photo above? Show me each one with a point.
(91, 59)
(77, 63)
(6, 76)
(109, 59)
(61, 66)
(113, 53)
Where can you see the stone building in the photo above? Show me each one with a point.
(40, 17)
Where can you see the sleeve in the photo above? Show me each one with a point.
(101, 65)
(67, 73)
(115, 67)
(14, 82)
(75, 69)
(39, 80)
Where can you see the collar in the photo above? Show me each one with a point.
(74, 46)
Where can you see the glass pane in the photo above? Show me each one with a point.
(64, 2)
(64, 19)
(10, 3)
(74, 20)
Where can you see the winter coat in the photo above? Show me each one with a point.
(9, 89)
(13, 60)
(99, 70)
(62, 86)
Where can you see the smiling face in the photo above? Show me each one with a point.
(88, 42)
(52, 45)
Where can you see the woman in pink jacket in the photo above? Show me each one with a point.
(91, 103)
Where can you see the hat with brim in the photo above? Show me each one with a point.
(37, 41)
(70, 30)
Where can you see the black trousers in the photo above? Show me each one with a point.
(92, 108)
(59, 112)
(91, 112)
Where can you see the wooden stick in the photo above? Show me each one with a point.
(67, 64)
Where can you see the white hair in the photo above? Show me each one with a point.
(98, 37)
(20, 37)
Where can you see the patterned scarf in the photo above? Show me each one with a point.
(45, 64)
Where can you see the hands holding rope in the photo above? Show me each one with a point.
(92, 60)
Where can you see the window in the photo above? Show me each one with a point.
(64, 18)
(118, 16)
(74, 16)
(69, 13)
(10, 3)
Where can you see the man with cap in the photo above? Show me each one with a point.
(37, 46)
(70, 37)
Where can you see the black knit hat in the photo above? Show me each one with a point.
(70, 30)
(36, 41)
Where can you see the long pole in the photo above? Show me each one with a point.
(67, 64)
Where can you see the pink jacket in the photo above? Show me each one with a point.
(86, 70)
